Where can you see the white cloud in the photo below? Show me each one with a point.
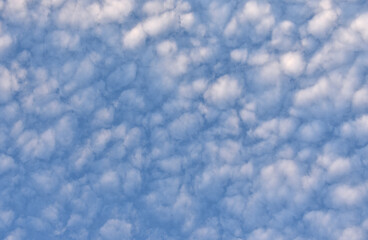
(65, 40)
(83, 101)
(321, 24)
(6, 163)
(8, 84)
(65, 130)
(199, 115)
(193, 89)
(345, 195)
(5, 41)
(109, 180)
(185, 126)
(158, 24)
(100, 139)
(357, 129)
(283, 35)
(132, 181)
(358, 25)
(312, 94)
(187, 20)
(312, 132)
(37, 146)
(352, 233)
(45, 181)
(292, 63)
(16, 10)
(339, 167)
(6, 218)
(116, 229)
(239, 55)
(360, 99)
(112, 10)
(264, 234)
(205, 233)
(253, 10)
(51, 213)
(280, 180)
(256, 16)
(104, 116)
(84, 15)
(17, 234)
(166, 48)
(135, 37)
(223, 92)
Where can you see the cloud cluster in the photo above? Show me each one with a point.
(173, 119)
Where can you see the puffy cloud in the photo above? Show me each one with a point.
(187, 20)
(353, 233)
(313, 131)
(159, 24)
(65, 40)
(283, 36)
(134, 37)
(8, 84)
(322, 23)
(167, 119)
(6, 163)
(344, 195)
(358, 25)
(85, 14)
(205, 233)
(360, 99)
(356, 130)
(239, 55)
(109, 180)
(292, 63)
(17, 234)
(5, 40)
(116, 229)
(185, 126)
(257, 15)
(223, 92)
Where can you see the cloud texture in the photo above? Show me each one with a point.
(173, 119)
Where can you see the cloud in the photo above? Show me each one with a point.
(8, 84)
(185, 126)
(321, 23)
(168, 119)
(135, 37)
(86, 13)
(6, 163)
(116, 229)
(223, 92)
(357, 25)
(292, 63)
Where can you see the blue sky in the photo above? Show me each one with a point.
(174, 119)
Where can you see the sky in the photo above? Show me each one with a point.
(184, 119)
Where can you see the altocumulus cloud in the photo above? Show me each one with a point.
(174, 119)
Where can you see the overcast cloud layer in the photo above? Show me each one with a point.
(173, 119)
